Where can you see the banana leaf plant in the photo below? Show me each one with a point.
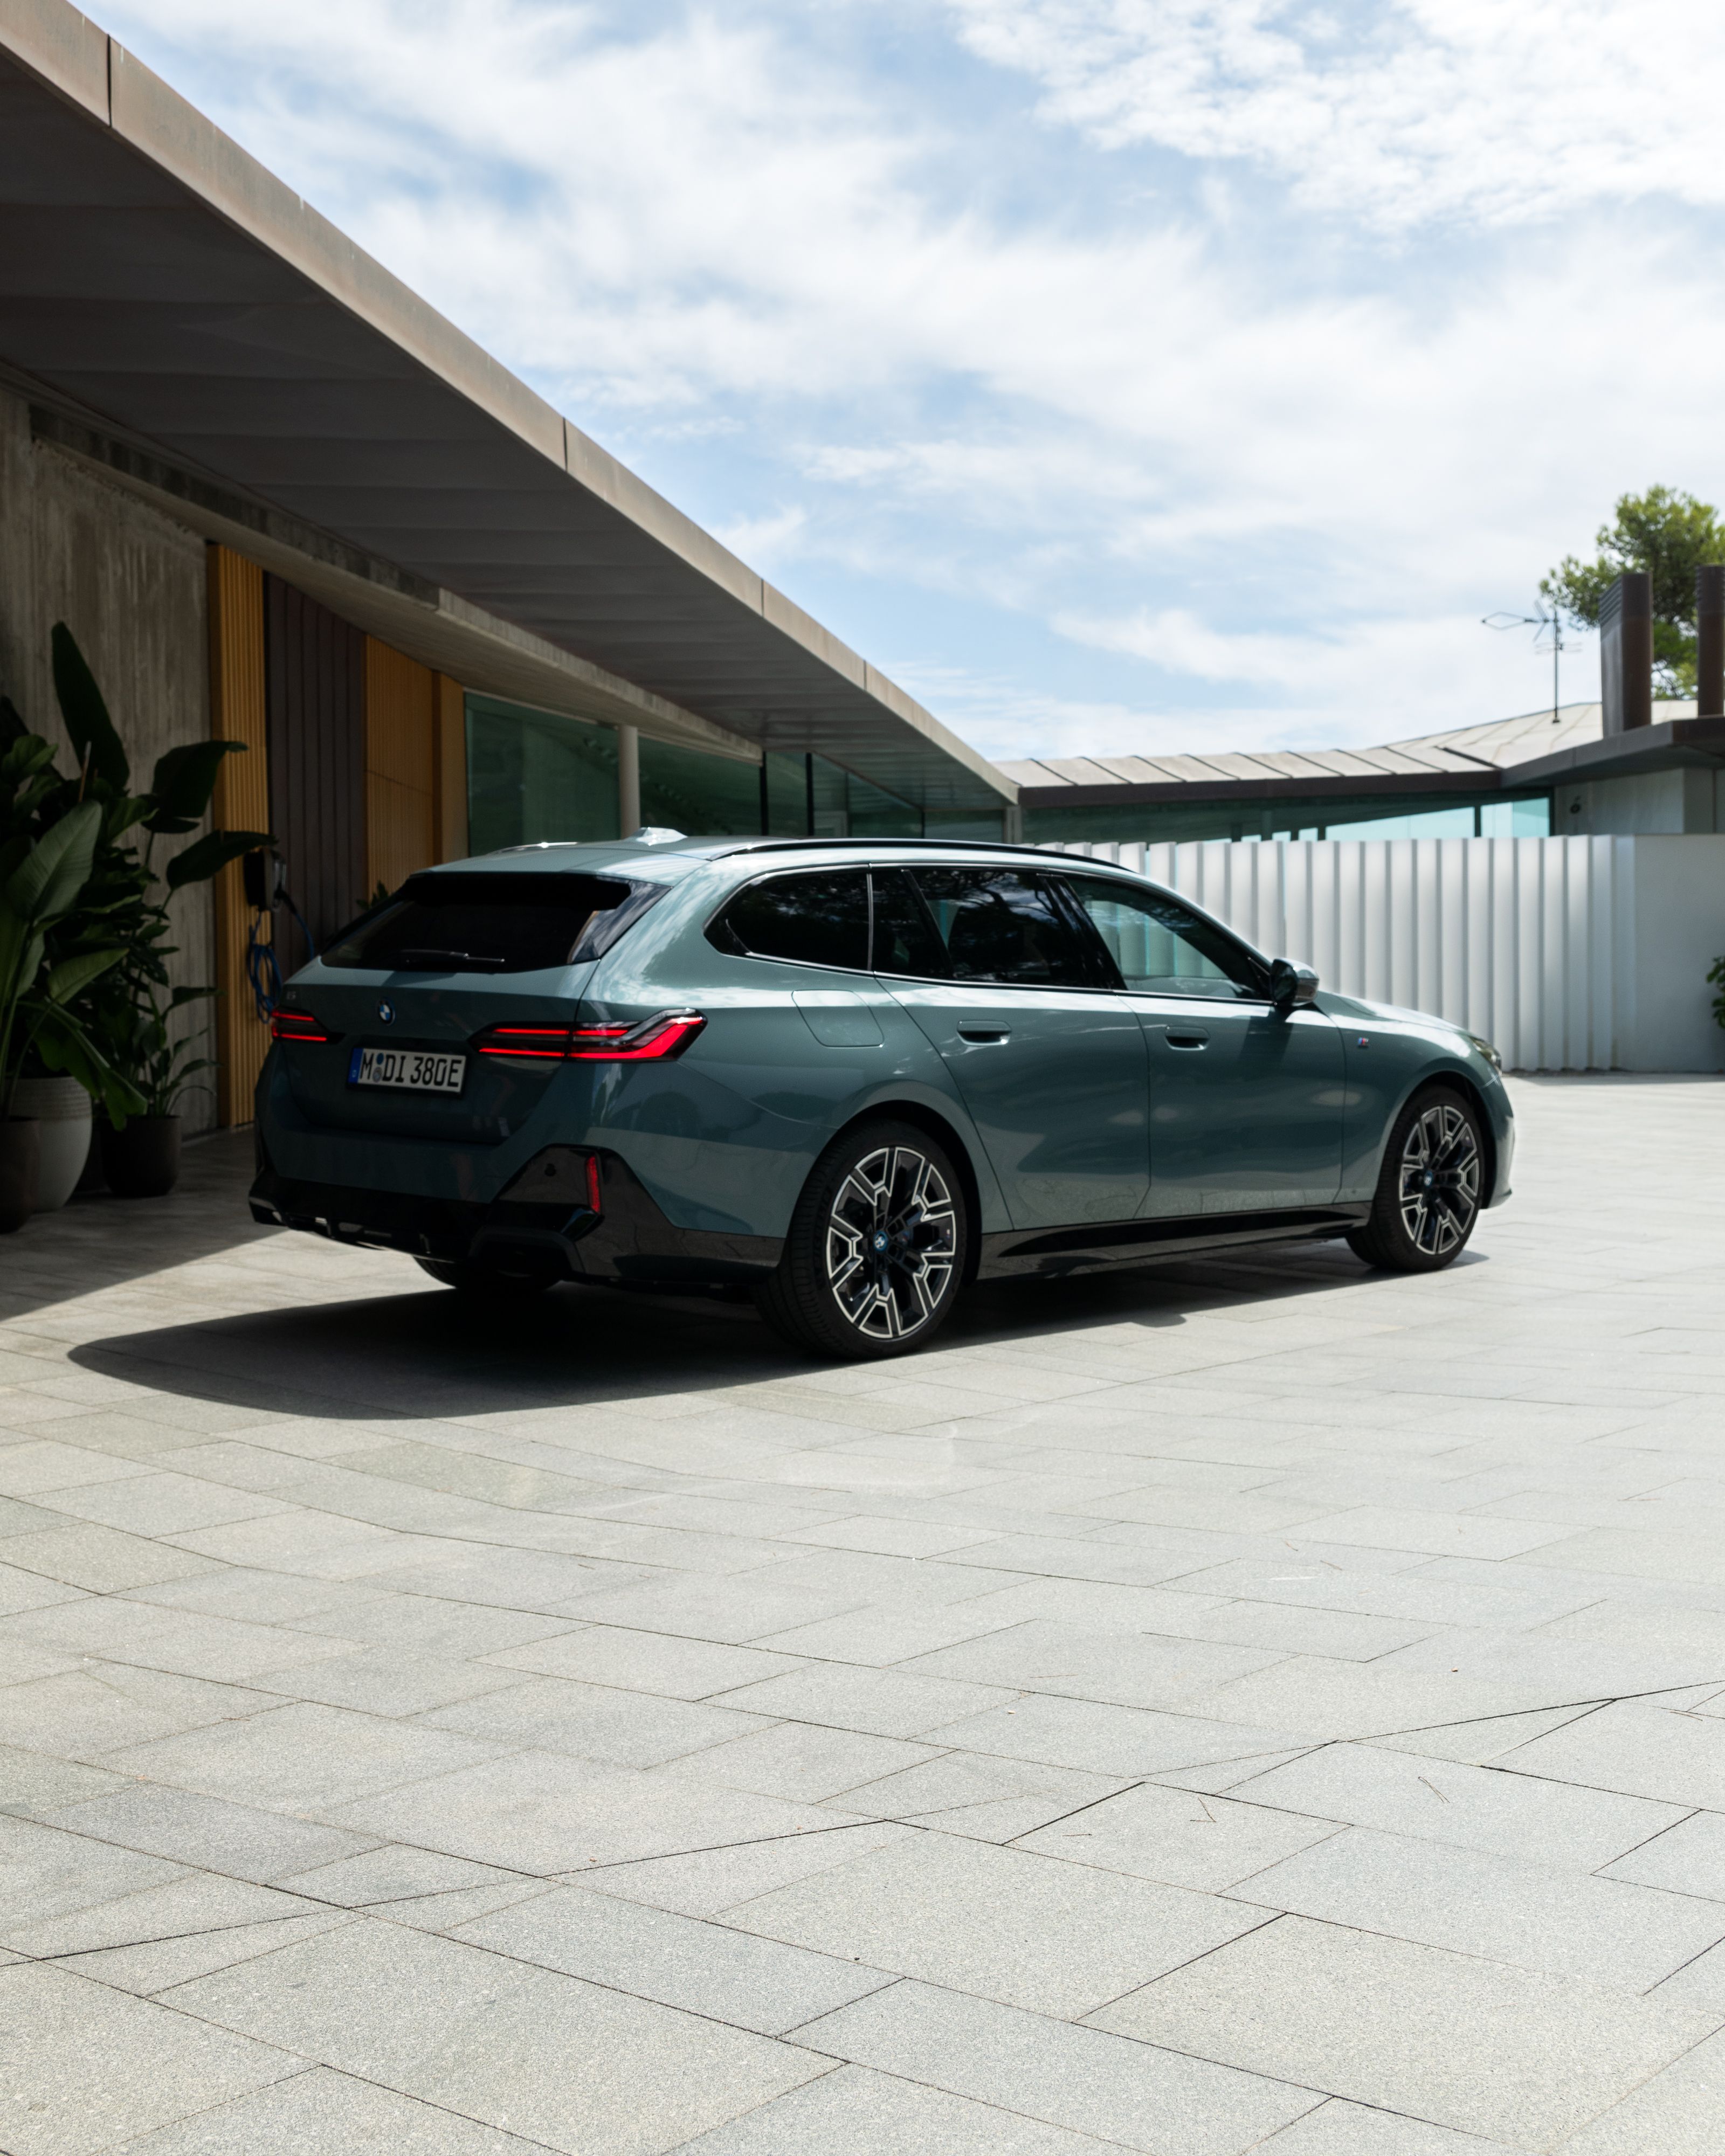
(123, 906)
(43, 879)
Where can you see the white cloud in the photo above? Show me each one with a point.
(1212, 478)
(1474, 110)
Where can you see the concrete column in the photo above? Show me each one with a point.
(629, 780)
(1626, 652)
(1709, 630)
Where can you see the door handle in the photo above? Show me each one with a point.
(985, 1036)
(1188, 1040)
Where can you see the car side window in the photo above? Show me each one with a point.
(1161, 948)
(905, 941)
(812, 920)
(1003, 925)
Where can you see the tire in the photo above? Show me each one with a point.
(876, 1250)
(483, 1284)
(1430, 1187)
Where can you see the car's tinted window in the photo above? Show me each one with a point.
(1160, 947)
(480, 923)
(1001, 924)
(816, 920)
(904, 937)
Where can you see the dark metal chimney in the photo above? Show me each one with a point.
(1710, 657)
(1626, 652)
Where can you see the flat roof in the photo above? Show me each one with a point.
(1529, 752)
(166, 289)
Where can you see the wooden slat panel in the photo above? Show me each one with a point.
(401, 803)
(241, 803)
(315, 673)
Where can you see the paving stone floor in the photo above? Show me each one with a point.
(1251, 1706)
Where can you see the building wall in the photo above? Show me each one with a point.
(1660, 803)
(402, 793)
(238, 711)
(131, 585)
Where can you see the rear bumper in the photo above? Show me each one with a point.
(627, 1242)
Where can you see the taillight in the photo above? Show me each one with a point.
(536, 1043)
(650, 1041)
(296, 1026)
(666, 1033)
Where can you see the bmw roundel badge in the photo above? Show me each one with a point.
(386, 1012)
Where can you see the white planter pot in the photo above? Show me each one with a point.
(62, 1108)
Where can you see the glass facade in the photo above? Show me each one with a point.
(809, 796)
(531, 775)
(702, 796)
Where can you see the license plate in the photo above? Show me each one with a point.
(408, 1069)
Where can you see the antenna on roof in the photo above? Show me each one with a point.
(1547, 625)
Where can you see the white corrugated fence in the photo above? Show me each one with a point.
(1570, 954)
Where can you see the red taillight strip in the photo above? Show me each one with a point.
(540, 1042)
(652, 1040)
(296, 1026)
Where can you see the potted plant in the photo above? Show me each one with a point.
(42, 876)
(141, 1157)
(126, 1008)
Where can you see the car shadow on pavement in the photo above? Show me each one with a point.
(428, 1355)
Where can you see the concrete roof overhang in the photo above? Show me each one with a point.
(165, 288)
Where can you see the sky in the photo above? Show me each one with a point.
(1118, 375)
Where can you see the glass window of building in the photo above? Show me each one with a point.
(702, 795)
(534, 775)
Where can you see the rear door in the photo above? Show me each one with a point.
(1050, 1065)
(1246, 1102)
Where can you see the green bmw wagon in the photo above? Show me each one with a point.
(847, 1078)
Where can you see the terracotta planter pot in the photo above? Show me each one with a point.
(143, 1160)
(62, 1108)
(20, 1151)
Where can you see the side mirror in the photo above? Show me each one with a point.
(1291, 985)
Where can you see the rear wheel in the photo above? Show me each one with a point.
(876, 1248)
(1430, 1187)
(483, 1284)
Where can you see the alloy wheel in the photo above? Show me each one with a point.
(1440, 1187)
(891, 1242)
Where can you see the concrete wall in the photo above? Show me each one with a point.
(1661, 804)
(1665, 1022)
(131, 584)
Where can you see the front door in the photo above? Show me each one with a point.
(1246, 1102)
(1051, 1067)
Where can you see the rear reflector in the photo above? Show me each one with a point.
(651, 1040)
(296, 1026)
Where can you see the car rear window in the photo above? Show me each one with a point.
(477, 923)
(815, 919)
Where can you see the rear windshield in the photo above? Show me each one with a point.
(491, 924)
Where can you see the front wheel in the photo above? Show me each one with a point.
(876, 1248)
(1430, 1187)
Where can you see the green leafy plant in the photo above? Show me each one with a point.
(122, 1008)
(161, 1067)
(1670, 535)
(1716, 975)
(43, 878)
